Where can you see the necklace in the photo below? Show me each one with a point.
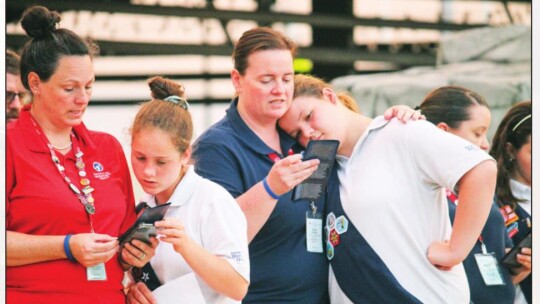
(85, 194)
(62, 148)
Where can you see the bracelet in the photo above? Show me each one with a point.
(67, 250)
(269, 191)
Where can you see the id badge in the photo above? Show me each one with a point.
(314, 228)
(489, 269)
(96, 273)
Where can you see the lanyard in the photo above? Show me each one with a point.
(453, 198)
(85, 194)
(275, 157)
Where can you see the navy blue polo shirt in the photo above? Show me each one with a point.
(496, 240)
(282, 270)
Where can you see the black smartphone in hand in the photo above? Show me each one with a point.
(144, 229)
(510, 259)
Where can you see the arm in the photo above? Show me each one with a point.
(87, 248)
(476, 190)
(221, 166)
(257, 204)
(215, 271)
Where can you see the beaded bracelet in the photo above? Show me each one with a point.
(269, 191)
(67, 250)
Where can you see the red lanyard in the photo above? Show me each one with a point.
(275, 157)
(85, 194)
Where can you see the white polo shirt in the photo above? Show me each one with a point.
(213, 219)
(392, 189)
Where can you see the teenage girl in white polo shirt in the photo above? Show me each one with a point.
(204, 231)
(388, 232)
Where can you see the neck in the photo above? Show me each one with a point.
(57, 136)
(356, 126)
(519, 178)
(264, 128)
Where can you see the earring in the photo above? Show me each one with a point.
(511, 159)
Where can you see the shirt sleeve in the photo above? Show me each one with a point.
(219, 164)
(224, 229)
(442, 158)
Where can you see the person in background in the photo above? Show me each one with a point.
(204, 231)
(512, 150)
(388, 232)
(15, 91)
(68, 189)
(255, 161)
(466, 114)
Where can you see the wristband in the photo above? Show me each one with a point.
(269, 191)
(67, 250)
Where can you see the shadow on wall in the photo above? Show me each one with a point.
(495, 62)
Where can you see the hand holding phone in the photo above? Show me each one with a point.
(144, 229)
(510, 259)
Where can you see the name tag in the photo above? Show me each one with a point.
(489, 269)
(96, 273)
(314, 232)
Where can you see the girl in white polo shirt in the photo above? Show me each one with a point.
(388, 234)
(204, 231)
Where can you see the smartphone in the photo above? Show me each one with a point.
(314, 186)
(510, 259)
(144, 228)
(142, 232)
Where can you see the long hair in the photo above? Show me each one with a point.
(515, 129)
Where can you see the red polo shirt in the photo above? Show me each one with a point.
(39, 202)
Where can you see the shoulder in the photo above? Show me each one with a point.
(101, 139)
(213, 192)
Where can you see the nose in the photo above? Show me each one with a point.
(15, 103)
(83, 97)
(305, 134)
(484, 145)
(279, 88)
(149, 170)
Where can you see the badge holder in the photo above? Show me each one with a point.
(489, 267)
(96, 273)
(314, 225)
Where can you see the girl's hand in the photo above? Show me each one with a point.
(403, 113)
(139, 293)
(172, 231)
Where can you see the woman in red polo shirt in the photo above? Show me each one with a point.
(69, 192)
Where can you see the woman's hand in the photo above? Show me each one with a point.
(403, 113)
(90, 249)
(524, 258)
(173, 232)
(138, 293)
(137, 253)
(289, 172)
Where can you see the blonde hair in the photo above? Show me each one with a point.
(308, 85)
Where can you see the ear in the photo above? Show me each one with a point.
(186, 156)
(443, 126)
(329, 94)
(510, 150)
(236, 77)
(33, 82)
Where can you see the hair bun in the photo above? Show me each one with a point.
(39, 22)
(162, 87)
